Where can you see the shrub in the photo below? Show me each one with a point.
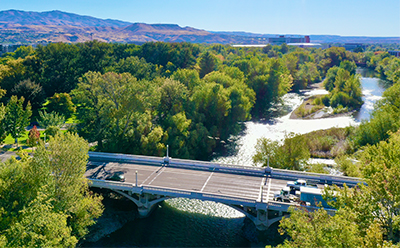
(33, 137)
(51, 131)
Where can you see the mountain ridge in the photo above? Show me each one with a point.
(17, 26)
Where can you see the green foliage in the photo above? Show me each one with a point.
(62, 104)
(50, 119)
(320, 229)
(292, 154)
(207, 64)
(116, 108)
(52, 131)
(17, 117)
(34, 137)
(45, 198)
(31, 91)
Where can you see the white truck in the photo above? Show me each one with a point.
(285, 195)
(296, 185)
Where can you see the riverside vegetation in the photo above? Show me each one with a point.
(138, 99)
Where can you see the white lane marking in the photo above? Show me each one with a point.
(269, 188)
(260, 194)
(156, 171)
(208, 179)
(157, 175)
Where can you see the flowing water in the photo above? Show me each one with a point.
(194, 223)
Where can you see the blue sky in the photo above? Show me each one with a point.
(305, 17)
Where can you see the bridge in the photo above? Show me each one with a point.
(250, 190)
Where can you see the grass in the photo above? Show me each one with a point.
(9, 142)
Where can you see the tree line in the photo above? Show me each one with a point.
(138, 99)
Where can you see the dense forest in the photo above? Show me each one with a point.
(139, 99)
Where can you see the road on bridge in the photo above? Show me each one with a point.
(234, 185)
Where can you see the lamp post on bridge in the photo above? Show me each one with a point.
(136, 178)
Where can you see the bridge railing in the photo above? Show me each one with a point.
(174, 193)
(317, 178)
(226, 168)
(171, 192)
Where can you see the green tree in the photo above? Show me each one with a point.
(292, 154)
(62, 104)
(207, 63)
(320, 229)
(117, 109)
(50, 119)
(46, 201)
(31, 91)
(17, 117)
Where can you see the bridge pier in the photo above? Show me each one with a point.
(144, 202)
(262, 218)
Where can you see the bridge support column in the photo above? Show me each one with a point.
(265, 218)
(144, 202)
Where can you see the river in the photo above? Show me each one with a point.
(194, 223)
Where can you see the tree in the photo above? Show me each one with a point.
(31, 91)
(33, 137)
(207, 63)
(17, 117)
(50, 119)
(116, 110)
(292, 154)
(62, 104)
(319, 229)
(46, 201)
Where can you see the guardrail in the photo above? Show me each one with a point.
(225, 168)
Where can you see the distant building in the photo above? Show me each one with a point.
(306, 45)
(353, 46)
(288, 39)
(8, 48)
(394, 53)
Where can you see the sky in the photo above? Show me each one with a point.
(379, 18)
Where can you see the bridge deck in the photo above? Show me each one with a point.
(212, 182)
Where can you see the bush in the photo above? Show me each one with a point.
(33, 137)
(51, 131)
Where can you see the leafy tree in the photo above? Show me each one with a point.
(17, 117)
(207, 63)
(52, 131)
(10, 74)
(292, 154)
(329, 82)
(116, 108)
(23, 52)
(349, 66)
(50, 119)
(190, 78)
(320, 229)
(136, 66)
(56, 67)
(33, 137)
(45, 198)
(62, 104)
(31, 91)
(308, 74)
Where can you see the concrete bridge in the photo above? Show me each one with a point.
(150, 180)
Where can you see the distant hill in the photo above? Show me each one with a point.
(56, 18)
(56, 26)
